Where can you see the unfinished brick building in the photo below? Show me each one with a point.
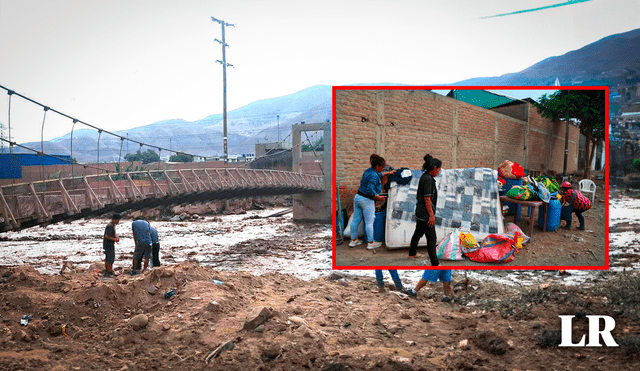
(404, 125)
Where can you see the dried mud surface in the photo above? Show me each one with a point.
(84, 322)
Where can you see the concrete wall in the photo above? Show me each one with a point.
(313, 206)
(404, 125)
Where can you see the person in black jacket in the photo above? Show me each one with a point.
(426, 209)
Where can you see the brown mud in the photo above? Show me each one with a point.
(277, 322)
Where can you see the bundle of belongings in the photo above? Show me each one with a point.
(495, 248)
(468, 200)
(510, 170)
(531, 190)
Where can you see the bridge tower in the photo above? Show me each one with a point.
(313, 206)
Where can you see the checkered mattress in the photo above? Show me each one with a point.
(467, 199)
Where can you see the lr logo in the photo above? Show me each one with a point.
(594, 332)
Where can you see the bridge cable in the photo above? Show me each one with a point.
(89, 125)
(267, 154)
(44, 118)
(72, 128)
(120, 154)
(52, 156)
(98, 160)
(11, 157)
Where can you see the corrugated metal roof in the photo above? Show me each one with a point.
(480, 98)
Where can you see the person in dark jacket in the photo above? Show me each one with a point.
(427, 196)
(364, 203)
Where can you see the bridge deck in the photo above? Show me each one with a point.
(45, 202)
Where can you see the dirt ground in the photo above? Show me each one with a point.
(276, 322)
(560, 248)
(337, 321)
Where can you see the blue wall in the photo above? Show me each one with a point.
(11, 164)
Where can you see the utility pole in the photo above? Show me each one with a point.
(278, 116)
(224, 86)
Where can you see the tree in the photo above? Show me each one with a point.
(146, 156)
(181, 157)
(587, 107)
(317, 146)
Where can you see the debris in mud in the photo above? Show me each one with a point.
(549, 338)
(492, 343)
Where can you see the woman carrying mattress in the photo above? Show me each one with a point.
(364, 203)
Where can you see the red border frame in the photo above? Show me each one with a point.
(483, 267)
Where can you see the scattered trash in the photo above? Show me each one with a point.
(217, 282)
(25, 319)
(229, 345)
(169, 294)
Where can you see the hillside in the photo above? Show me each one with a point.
(604, 62)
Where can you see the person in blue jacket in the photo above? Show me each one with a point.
(142, 238)
(155, 248)
(364, 202)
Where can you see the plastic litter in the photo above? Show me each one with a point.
(217, 282)
(25, 319)
(169, 294)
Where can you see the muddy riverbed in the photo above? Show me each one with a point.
(256, 243)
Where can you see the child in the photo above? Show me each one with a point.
(108, 243)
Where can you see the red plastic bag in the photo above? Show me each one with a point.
(495, 248)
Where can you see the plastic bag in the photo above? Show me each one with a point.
(522, 193)
(449, 248)
(549, 183)
(467, 240)
(495, 248)
(513, 230)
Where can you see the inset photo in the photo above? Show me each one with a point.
(471, 177)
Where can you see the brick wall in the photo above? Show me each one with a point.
(404, 125)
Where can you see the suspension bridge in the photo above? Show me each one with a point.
(47, 201)
(44, 202)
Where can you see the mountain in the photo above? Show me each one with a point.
(255, 122)
(604, 62)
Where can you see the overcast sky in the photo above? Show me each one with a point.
(122, 64)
